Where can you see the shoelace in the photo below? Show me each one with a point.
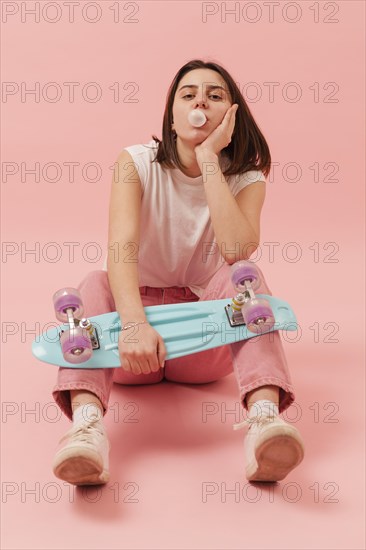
(84, 431)
(263, 419)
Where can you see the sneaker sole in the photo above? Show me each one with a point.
(80, 469)
(275, 457)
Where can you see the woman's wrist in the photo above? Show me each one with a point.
(205, 154)
(131, 315)
(208, 163)
(132, 324)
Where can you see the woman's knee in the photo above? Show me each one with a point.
(96, 293)
(222, 285)
(94, 279)
(263, 287)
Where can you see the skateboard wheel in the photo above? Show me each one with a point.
(76, 345)
(67, 298)
(258, 315)
(242, 271)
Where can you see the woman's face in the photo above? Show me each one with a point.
(208, 92)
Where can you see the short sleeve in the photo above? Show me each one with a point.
(239, 181)
(139, 158)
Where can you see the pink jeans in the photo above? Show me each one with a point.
(256, 362)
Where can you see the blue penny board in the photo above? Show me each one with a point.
(186, 328)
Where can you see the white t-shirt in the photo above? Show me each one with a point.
(177, 241)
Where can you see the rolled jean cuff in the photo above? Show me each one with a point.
(61, 394)
(286, 393)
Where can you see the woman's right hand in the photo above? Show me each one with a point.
(141, 349)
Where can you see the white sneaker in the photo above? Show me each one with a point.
(84, 459)
(272, 448)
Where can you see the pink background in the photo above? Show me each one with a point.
(163, 461)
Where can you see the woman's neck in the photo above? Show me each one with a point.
(188, 157)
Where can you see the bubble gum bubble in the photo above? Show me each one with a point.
(197, 118)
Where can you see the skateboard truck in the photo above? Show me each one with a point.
(234, 310)
(83, 323)
(80, 337)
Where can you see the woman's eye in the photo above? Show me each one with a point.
(211, 95)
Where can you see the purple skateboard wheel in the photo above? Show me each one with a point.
(76, 345)
(258, 315)
(67, 298)
(244, 270)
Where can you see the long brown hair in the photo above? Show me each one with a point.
(248, 149)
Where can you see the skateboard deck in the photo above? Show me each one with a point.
(186, 328)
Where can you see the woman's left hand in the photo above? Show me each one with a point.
(221, 135)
